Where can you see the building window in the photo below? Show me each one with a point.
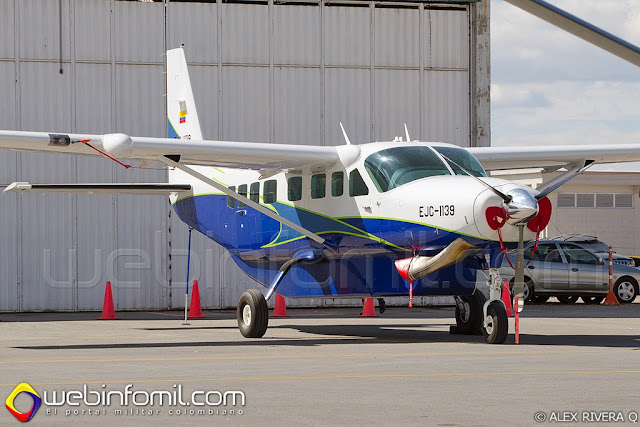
(337, 184)
(604, 200)
(270, 191)
(254, 192)
(566, 200)
(357, 186)
(584, 200)
(294, 190)
(242, 190)
(624, 200)
(595, 200)
(318, 186)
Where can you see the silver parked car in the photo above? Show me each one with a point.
(597, 246)
(568, 271)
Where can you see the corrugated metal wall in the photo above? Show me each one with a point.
(261, 72)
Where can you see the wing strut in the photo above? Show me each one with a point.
(246, 201)
(580, 28)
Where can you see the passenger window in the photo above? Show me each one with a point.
(254, 192)
(357, 186)
(231, 202)
(543, 251)
(577, 255)
(337, 184)
(242, 190)
(294, 191)
(270, 191)
(318, 186)
(553, 256)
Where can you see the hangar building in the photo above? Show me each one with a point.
(262, 70)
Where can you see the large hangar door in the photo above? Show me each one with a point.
(289, 72)
(261, 70)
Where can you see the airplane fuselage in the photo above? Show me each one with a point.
(368, 224)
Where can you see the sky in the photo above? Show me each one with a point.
(550, 87)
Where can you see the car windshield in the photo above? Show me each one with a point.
(394, 167)
(461, 158)
(595, 246)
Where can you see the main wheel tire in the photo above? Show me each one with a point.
(529, 292)
(565, 299)
(470, 321)
(626, 290)
(252, 314)
(592, 300)
(497, 327)
(539, 299)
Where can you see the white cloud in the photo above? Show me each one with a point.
(549, 87)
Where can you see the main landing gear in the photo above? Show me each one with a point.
(252, 312)
(475, 315)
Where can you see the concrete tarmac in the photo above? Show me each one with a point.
(325, 367)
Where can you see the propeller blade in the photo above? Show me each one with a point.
(569, 176)
(507, 199)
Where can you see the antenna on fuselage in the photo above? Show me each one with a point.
(346, 138)
(406, 132)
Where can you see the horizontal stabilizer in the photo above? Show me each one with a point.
(140, 189)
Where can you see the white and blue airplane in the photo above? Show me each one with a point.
(370, 220)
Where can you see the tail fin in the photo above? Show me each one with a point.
(181, 108)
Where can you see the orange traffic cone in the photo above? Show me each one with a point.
(280, 309)
(506, 299)
(195, 308)
(368, 308)
(108, 312)
(611, 299)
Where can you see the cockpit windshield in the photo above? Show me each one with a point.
(397, 166)
(462, 158)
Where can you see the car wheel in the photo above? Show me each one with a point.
(625, 290)
(592, 300)
(567, 299)
(528, 289)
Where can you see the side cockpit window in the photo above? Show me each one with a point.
(397, 166)
(459, 158)
(357, 186)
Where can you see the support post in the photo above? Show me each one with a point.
(186, 292)
(519, 282)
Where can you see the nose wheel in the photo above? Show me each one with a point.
(496, 325)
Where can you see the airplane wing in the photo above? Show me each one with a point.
(495, 158)
(138, 189)
(246, 155)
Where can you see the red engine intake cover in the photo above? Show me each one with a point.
(496, 217)
(540, 221)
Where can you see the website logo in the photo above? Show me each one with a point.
(23, 388)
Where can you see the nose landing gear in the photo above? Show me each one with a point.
(475, 315)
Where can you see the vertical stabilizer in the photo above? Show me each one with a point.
(181, 108)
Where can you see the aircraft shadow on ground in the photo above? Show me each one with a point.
(363, 334)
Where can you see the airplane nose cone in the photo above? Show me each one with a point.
(523, 206)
